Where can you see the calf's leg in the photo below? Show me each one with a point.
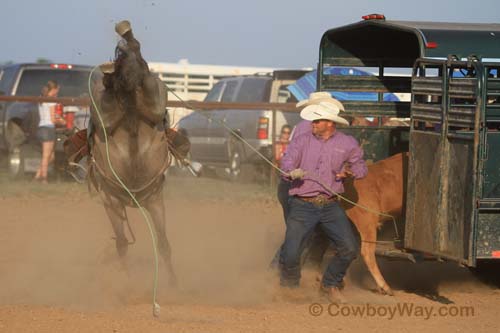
(368, 243)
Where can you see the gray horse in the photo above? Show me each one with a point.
(131, 102)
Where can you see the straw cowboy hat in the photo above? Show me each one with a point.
(320, 96)
(323, 110)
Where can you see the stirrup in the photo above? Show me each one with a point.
(73, 174)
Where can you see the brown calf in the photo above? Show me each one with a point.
(381, 190)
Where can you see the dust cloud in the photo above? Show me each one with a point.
(59, 270)
(57, 250)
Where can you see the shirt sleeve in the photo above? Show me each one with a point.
(358, 165)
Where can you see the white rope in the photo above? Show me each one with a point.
(156, 306)
(315, 179)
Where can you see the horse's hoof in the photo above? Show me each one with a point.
(107, 67)
(122, 27)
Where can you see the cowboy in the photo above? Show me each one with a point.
(316, 245)
(318, 162)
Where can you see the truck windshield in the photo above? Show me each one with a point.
(253, 90)
(73, 83)
(214, 93)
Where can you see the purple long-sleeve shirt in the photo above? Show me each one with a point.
(322, 160)
(304, 126)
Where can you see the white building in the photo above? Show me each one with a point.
(194, 81)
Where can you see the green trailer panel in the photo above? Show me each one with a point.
(453, 190)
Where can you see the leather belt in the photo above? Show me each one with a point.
(319, 200)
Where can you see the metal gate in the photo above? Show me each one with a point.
(443, 165)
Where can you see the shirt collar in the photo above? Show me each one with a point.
(330, 137)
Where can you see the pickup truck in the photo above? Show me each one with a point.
(19, 120)
(216, 148)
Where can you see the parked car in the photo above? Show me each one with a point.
(19, 120)
(215, 147)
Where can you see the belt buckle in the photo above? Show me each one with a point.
(320, 201)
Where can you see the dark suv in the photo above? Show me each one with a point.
(19, 120)
(214, 146)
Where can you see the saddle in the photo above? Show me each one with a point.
(77, 146)
(178, 144)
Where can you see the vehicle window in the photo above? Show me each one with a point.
(6, 79)
(254, 90)
(228, 95)
(195, 120)
(73, 83)
(285, 96)
(214, 93)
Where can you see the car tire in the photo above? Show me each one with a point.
(15, 163)
(237, 170)
(234, 166)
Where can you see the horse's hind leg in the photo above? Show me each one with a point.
(156, 210)
(117, 215)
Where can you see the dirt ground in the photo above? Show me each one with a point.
(59, 271)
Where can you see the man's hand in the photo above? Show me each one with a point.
(345, 173)
(297, 174)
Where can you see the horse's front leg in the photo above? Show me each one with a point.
(117, 215)
(156, 210)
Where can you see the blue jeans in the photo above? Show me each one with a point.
(303, 217)
(314, 247)
(282, 194)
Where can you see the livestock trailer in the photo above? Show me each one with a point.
(448, 119)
